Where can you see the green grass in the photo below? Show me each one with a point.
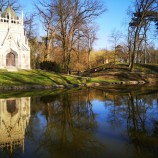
(105, 74)
(36, 77)
(110, 73)
(102, 80)
(146, 68)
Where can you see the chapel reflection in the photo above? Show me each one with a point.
(14, 118)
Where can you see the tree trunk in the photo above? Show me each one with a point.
(115, 55)
(136, 37)
(89, 59)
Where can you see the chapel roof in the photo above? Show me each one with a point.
(9, 11)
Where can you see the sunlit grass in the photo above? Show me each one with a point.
(106, 75)
(102, 80)
(36, 77)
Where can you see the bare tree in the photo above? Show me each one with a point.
(68, 17)
(31, 34)
(46, 11)
(90, 37)
(115, 38)
(29, 23)
(14, 3)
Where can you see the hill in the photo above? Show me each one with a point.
(120, 73)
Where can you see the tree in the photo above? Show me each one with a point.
(141, 17)
(30, 30)
(115, 39)
(90, 37)
(14, 3)
(46, 11)
(65, 18)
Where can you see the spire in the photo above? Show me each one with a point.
(9, 11)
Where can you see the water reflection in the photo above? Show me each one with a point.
(66, 123)
(85, 123)
(95, 123)
(142, 123)
(14, 118)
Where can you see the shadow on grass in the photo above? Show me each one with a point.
(151, 68)
(130, 76)
(17, 79)
(48, 77)
(37, 77)
(63, 79)
(106, 68)
(25, 79)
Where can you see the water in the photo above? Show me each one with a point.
(87, 123)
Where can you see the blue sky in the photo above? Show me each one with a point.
(114, 18)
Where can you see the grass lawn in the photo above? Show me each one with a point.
(102, 74)
(36, 77)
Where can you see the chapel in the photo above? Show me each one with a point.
(14, 47)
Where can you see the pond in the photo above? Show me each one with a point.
(82, 123)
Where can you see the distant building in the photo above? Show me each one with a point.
(14, 48)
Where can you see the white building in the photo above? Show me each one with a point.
(14, 48)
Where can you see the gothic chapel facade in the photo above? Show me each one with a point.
(14, 48)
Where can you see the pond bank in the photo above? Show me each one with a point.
(69, 86)
(38, 79)
(31, 87)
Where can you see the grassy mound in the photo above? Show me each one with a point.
(120, 72)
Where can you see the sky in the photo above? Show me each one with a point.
(114, 18)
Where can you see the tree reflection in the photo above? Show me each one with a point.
(68, 125)
(139, 119)
(133, 113)
(70, 122)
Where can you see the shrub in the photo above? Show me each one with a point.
(49, 66)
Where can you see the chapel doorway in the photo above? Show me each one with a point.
(10, 59)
